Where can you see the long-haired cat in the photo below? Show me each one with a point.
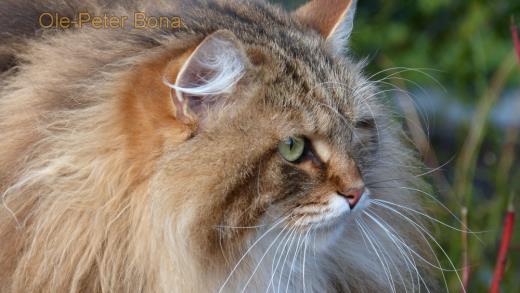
(244, 151)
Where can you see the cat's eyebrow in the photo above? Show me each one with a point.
(322, 148)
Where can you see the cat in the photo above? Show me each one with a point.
(245, 151)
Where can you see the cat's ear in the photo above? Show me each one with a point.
(208, 75)
(333, 19)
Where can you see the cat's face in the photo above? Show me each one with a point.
(309, 154)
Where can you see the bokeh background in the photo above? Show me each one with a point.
(449, 68)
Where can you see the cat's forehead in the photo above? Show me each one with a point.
(327, 92)
(317, 76)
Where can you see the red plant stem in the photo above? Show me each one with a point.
(516, 39)
(502, 252)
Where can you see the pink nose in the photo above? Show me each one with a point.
(353, 195)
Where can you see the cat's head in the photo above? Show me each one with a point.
(283, 129)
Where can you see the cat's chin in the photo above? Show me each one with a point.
(325, 228)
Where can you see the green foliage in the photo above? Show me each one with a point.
(465, 40)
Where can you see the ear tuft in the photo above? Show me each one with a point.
(333, 19)
(212, 70)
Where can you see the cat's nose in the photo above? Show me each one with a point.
(353, 195)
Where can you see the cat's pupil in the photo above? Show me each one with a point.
(290, 142)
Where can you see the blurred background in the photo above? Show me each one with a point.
(449, 67)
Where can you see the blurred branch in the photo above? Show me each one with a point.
(465, 168)
(465, 255)
(418, 136)
(505, 165)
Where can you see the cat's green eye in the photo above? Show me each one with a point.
(292, 148)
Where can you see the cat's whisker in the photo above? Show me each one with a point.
(412, 99)
(400, 68)
(425, 215)
(248, 250)
(373, 183)
(415, 175)
(438, 266)
(384, 254)
(455, 270)
(384, 265)
(304, 258)
(289, 239)
(407, 93)
(410, 69)
(386, 271)
(402, 79)
(394, 87)
(240, 227)
(381, 202)
(420, 257)
(403, 166)
(469, 231)
(399, 244)
(262, 258)
(296, 252)
(276, 260)
(293, 237)
(435, 169)
(376, 94)
(407, 262)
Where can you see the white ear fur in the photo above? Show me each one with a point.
(213, 69)
(340, 34)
